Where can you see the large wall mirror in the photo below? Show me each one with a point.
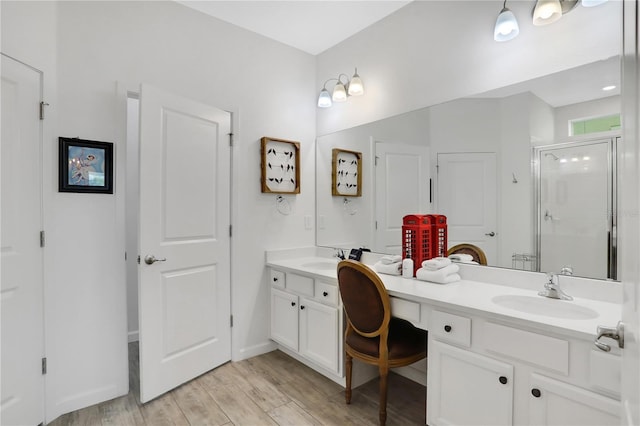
(526, 172)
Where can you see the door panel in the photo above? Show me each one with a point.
(21, 255)
(467, 195)
(402, 188)
(184, 297)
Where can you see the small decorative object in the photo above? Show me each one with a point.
(85, 166)
(280, 166)
(346, 173)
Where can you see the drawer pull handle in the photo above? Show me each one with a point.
(325, 294)
(503, 380)
(536, 392)
(293, 303)
(447, 328)
(301, 306)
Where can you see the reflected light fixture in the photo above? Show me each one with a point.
(341, 91)
(593, 3)
(506, 25)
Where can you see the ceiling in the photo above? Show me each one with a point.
(309, 25)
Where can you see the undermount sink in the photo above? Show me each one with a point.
(545, 306)
(322, 264)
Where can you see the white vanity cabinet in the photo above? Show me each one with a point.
(484, 372)
(305, 318)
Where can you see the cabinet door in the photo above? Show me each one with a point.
(284, 318)
(465, 388)
(319, 333)
(556, 403)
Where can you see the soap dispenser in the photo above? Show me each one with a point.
(407, 268)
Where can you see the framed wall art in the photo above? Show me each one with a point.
(346, 173)
(280, 166)
(85, 166)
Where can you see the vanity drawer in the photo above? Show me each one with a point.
(276, 278)
(300, 284)
(405, 309)
(451, 328)
(326, 293)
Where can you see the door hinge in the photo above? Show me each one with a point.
(231, 320)
(230, 231)
(125, 256)
(376, 224)
(41, 238)
(44, 365)
(230, 139)
(437, 168)
(138, 259)
(42, 105)
(376, 161)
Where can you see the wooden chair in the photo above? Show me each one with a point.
(373, 336)
(475, 251)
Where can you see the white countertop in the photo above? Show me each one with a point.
(468, 296)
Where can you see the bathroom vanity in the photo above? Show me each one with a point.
(498, 354)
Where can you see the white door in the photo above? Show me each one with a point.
(467, 195)
(402, 188)
(21, 254)
(184, 301)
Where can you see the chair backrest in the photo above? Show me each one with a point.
(364, 298)
(475, 251)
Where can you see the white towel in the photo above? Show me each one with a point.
(391, 269)
(461, 257)
(390, 259)
(436, 263)
(436, 276)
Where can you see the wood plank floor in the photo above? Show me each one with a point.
(270, 389)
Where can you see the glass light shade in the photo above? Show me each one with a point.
(324, 100)
(547, 12)
(506, 26)
(339, 93)
(355, 86)
(592, 3)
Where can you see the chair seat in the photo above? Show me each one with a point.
(404, 341)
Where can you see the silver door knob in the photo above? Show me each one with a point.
(491, 234)
(151, 259)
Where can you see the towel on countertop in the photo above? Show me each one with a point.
(436, 276)
(390, 269)
(390, 259)
(436, 263)
(461, 257)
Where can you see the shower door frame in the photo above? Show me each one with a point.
(612, 197)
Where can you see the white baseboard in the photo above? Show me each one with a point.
(255, 350)
(133, 336)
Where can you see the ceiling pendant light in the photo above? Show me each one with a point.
(506, 25)
(546, 12)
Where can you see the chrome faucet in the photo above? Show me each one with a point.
(339, 253)
(552, 288)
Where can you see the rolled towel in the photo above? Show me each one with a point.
(436, 263)
(391, 269)
(461, 257)
(390, 259)
(436, 276)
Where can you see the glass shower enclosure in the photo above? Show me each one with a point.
(575, 203)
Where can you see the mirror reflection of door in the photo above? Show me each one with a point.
(467, 195)
(402, 188)
(576, 209)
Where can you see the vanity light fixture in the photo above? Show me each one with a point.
(593, 3)
(547, 12)
(341, 91)
(506, 25)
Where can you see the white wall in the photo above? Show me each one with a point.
(415, 58)
(84, 48)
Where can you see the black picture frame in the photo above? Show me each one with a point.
(85, 166)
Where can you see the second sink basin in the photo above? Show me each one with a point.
(544, 306)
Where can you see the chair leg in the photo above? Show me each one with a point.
(348, 367)
(384, 372)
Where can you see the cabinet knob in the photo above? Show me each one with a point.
(293, 303)
(275, 279)
(536, 392)
(447, 328)
(325, 294)
(503, 380)
(301, 306)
